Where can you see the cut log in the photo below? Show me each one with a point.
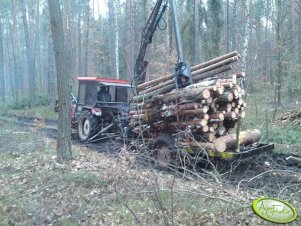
(227, 85)
(196, 70)
(240, 75)
(196, 112)
(229, 141)
(170, 85)
(214, 61)
(214, 66)
(226, 97)
(219, 116)
(232, 79)
(201, 122)
(205, 128)
(225, 109)
(188, 94)
(203, 145)
(154, 82)
(156, 87)
(230, 115)
(149, 95)
(211, 73)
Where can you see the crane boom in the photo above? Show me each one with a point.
(147, 36)
(182, 72)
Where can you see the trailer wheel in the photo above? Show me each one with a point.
(164, 150)
(87, 125)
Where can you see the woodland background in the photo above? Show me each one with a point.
(106, 45)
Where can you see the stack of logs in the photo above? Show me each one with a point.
(208, 109)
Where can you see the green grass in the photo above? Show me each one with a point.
(290, 134)
(86, 179)
(259, 114)
(45, 112)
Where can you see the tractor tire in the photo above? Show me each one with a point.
(87, 125)
(165, 151)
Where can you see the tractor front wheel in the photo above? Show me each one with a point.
(87, 125)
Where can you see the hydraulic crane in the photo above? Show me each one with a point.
(182, 74)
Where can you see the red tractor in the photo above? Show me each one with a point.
(101, 108)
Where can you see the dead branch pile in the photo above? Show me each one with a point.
(208, 108)
(292, 116)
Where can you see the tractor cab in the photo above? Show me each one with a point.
(100, 102)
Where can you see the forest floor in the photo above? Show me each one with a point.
(110, 185)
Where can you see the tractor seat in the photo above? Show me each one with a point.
(104, 97)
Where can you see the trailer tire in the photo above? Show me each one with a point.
(164, 151)
(87, 125)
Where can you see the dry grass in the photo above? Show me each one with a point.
(110, 189)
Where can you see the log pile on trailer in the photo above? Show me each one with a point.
(208, 109)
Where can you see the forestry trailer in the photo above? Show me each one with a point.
(193, 111)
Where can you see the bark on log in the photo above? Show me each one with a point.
(215, 60)
(148, 96)
(225, 97)
(170, 85)
(154, 81)
(190, 94)
(196, 112)
(203, 145)
(214, 66)
(194, 68)
(224, 143)
(211, 73)
(201, 122)
(219, 116)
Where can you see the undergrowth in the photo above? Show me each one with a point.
(101, 189)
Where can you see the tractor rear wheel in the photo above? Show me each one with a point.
(87, 125)
(164, 151)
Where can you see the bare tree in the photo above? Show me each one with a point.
(30, 57)
(129, 40)
(2, 81)
(279, 57)
(86, 43)
(245, 39)
(197, 36)
(64, 132)
(113, 14)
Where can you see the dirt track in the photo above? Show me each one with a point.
(268, 174)
(265, 175)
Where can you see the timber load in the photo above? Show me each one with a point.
(208, 108)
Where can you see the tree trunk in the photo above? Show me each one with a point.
(227, 27)
(279, 43)
(30, 57)
(79, 43)
(130, 41)
(51, 72)
(114, 38)
(197, 49)
(87, 30)
(299, 33)
(245, 39)
(37, 48)
(64, 132)
(2, 80)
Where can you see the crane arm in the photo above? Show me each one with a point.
(182, 72)
(147, 36)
